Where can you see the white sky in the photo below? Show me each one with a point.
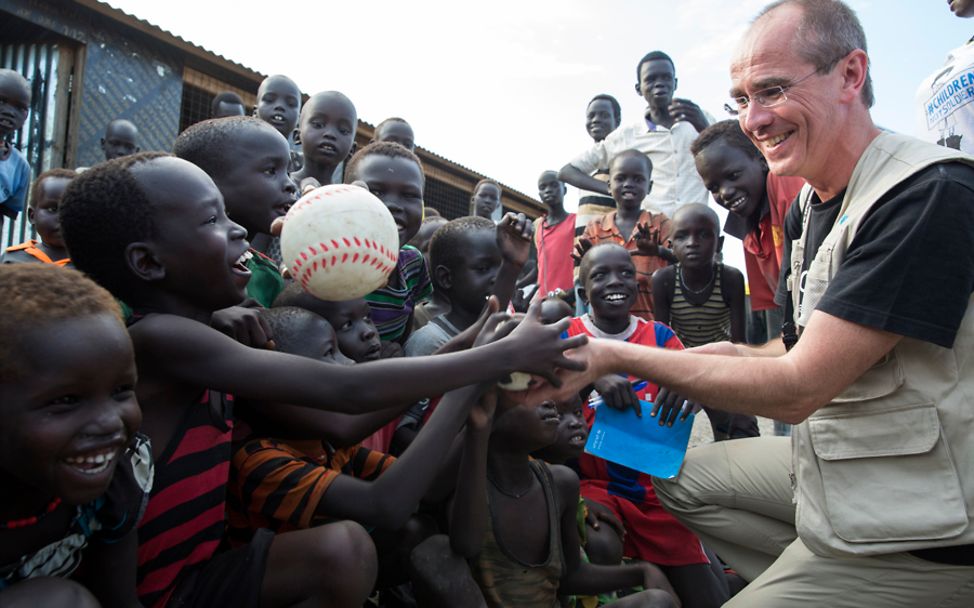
(501, 87)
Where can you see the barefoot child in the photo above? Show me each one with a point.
(254, 183)
(45, 198)
(152, 228)
(75, 473)
(514, 517)
(609, 285)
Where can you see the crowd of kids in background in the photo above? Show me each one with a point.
(185, 426)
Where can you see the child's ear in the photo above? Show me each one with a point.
(30, 215)
(639, 91)
(443, 277)
(582, 295)
(720, 244)
(297, 136)
(649, 187)
(142, 261)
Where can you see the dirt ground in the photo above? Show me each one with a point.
(702, 433)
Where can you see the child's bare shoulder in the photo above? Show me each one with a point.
(566, 484)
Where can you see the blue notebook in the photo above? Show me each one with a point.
(639, 443)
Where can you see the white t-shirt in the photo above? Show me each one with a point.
(675, 178)
(946, 113)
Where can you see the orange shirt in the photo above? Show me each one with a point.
(763, 247)
(30, 248)
(604, 230)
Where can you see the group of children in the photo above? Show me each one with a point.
(203, 432)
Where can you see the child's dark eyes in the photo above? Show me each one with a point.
(62, 404)
(347, 325)
(210, 220)
(123, 392)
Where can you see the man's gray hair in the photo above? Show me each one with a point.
(829, 30)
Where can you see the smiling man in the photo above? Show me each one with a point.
(881, 466)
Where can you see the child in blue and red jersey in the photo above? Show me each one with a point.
(608, 279)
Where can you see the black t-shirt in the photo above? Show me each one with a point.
(909, 269)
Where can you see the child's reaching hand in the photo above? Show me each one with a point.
(514, 234)
(244, 324)
(617, 393)
(581, 248)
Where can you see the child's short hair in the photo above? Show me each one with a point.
(288, 325)
(486, 180)
(382, 148)
(228, 97)
(35, 189)
(104, 210)
(379, 126)
(38, 294)
(446, 247)
(585, 266)
(727, 131)
(698, 208)
(653, 56)
(209, 144)
(616, 108)
(633, 153)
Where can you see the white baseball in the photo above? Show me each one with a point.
(339, 242)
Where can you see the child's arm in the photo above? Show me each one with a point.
(468, 509)
(338, 429)
(390, 500)
(732, 284)
(514, 234)
(570, 174)
(663, 288)
(109, 571)
(178, 350)
(583, 578)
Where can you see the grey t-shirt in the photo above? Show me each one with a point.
(430, 337)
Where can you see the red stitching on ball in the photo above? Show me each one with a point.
(324, 248)
(348, 243)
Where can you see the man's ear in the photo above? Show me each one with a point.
(443, 277)
(142, 261)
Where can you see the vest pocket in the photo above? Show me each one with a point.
(887, 473)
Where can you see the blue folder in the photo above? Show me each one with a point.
(639, 443)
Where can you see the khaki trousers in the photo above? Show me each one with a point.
(736, 495)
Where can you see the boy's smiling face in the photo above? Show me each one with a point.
(599, 119)
(737, 180)
(278, 104)
(198, 254)
(257, 189)
(629, 181)
(68, 421)
(14, 102)
(609, 282)
(328, 125)
(398, 183)
(44, 217)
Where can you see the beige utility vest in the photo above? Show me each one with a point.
(888, 465)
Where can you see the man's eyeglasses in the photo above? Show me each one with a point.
(769, 97)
